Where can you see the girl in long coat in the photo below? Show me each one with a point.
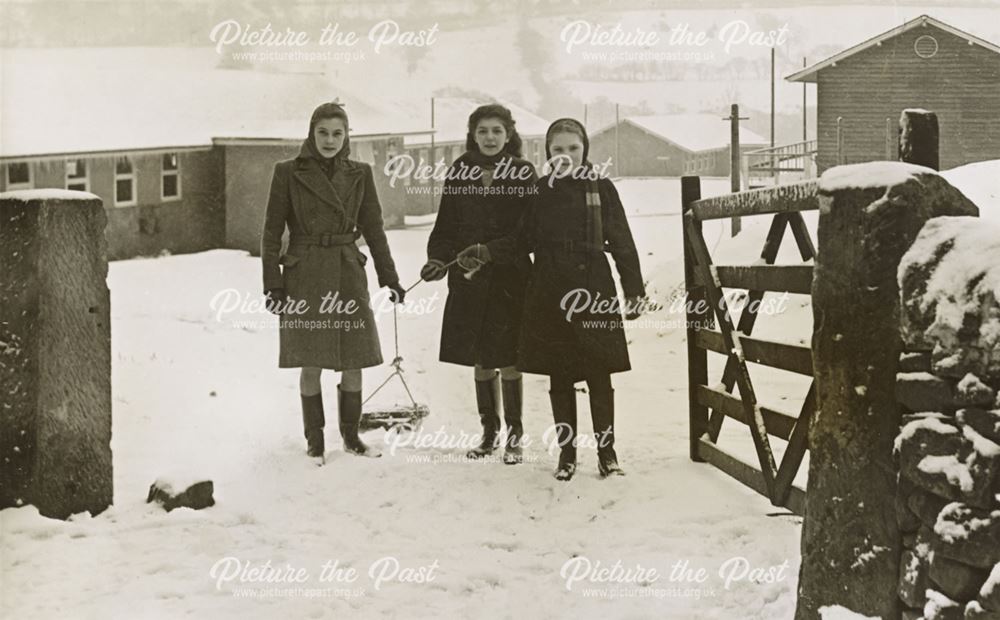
(484, 195)
(319, 286)
(572, 327)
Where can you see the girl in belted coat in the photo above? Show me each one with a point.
(485, 193)
(572, 328)
(319, 286)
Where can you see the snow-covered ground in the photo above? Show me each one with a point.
(199, 394)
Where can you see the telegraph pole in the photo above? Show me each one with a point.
(735, 157)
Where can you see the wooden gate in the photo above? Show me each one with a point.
(710, 404)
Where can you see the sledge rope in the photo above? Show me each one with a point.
(397, 361)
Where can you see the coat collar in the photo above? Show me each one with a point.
(333, 191)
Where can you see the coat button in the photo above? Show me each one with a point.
(581, 267)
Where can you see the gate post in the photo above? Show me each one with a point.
(919, 138)
(869, 216)
(55, 353)
(696, 314)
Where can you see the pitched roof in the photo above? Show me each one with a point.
(691, 132)
(90, 100)
(809, 73)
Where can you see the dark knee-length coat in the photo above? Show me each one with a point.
(482, 314)
(324, 216)
(568, 272)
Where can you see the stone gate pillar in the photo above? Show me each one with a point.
(869, 216)
(55, 353)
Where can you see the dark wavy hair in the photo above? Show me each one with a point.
(502, 114)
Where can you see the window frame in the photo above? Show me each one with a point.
(30, 184)
(164, 173)
(131, 176)
(85, 179)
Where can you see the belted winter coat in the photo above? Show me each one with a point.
(325, 206)
(572, 323)
(482, 314)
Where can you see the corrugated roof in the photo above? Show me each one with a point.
(809, 73)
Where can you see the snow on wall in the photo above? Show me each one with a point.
(869, 174)
(980, 182)
(27, 195)
(950, 286)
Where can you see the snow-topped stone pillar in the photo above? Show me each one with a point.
(869, 216)
(55, 353)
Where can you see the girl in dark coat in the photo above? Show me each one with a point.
(572, 327)
(320, 289)
(484, 195)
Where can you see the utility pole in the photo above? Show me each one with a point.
(772, 97)
(433, 181)
(805, 132)
(735, 158)
(618, 151)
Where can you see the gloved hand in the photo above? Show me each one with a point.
(396, 292)
(275, 298)
(634, 307)
(474, 257)
(433, 270)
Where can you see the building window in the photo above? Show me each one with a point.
(19, 175)
(170, 185)
(77, 177)
(124, 183)
(926, 46)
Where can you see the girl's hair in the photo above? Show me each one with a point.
(502, 114)
(331, 109)
(567, 125)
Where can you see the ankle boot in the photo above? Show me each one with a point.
(513, 396)
(488, 404)
(349, 409)
(313, 422)
(564, 415)
(602, 411)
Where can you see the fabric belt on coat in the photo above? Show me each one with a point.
(325, 239)
(570, 246)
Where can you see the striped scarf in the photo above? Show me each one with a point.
(595, 228)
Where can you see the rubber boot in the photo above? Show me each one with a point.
(349, 408)
(564, 415)
(488, 404)
(313, 422)
(602, 411)
(513, 397)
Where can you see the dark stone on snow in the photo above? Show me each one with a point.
(196, 496)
